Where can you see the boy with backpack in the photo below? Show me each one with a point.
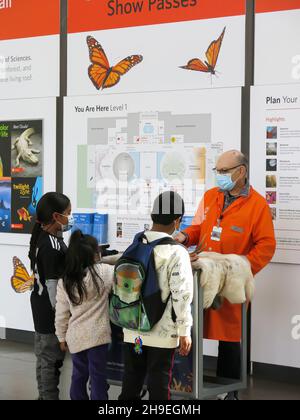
(151, 300)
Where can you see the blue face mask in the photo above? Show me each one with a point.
(224, 181)
(175, 233)
(69, 225)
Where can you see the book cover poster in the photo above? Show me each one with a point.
(23, 203)
(5, 150)
(27, 149)
(5, 204)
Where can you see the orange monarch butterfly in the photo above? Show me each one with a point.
(212, 55)
(101, 74)
(21, 281)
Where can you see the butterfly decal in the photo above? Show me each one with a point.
(212, 55)
(21, 281)
(100, 72)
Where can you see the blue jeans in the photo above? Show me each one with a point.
(90, 364)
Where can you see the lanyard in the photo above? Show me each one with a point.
(237, 203)
(219, 219)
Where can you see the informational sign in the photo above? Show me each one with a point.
(277, 47)
(275, 157)
(27, 135)
(29, 38)
(129, 148)
(123, 46)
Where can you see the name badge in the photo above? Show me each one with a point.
(216, 233)
(237, 229)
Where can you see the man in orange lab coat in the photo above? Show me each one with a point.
(231, 219)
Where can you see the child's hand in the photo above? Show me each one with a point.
(185, 345)
(180, 237)
(63, 347)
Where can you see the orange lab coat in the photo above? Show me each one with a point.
(247, 229)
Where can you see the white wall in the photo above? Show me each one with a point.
(277, 297)
(15, 311)
(276, 302)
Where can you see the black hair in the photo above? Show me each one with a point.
(50, 203)
(167, 207)
(80, 259)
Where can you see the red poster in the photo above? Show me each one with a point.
(276, 5)
(92, 15)
(29, 18)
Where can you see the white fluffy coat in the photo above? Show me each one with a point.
(225, 275)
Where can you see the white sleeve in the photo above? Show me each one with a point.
(181, 286)
(62, 313)
(51, 285)
(107, 271)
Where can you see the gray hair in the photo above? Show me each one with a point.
(243, 160)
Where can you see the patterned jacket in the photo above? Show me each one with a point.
(176, 280)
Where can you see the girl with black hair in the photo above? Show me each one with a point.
(47, 256)
(82, 317)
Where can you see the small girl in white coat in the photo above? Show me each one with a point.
(82, 318)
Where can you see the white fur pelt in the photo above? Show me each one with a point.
(225, 275)
(111, 259)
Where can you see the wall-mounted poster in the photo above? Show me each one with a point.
(129, 148)
(29, 38)
(26, 193)
(27, 148)
(27, 135)
(277, 46)
(121, 46)
(5, 204)
(275, 171)
(21, 159)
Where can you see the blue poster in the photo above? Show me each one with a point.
(5, 204)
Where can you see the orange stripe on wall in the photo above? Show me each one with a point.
(29, 18)
(92, 15)
(276, 5)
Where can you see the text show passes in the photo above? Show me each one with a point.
(119, 7)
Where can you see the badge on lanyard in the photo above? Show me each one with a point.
(216, 232)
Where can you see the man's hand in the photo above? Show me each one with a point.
(194, 256)
(64, 347)
(185, 345)
(180, 237)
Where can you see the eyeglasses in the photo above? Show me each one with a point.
(225, 171)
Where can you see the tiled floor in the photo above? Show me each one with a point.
(17, 378)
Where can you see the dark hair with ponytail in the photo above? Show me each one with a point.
(50, 203)
(80, 260)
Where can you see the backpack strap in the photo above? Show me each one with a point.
(170, 241)
(161, 241)
(139, 237)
